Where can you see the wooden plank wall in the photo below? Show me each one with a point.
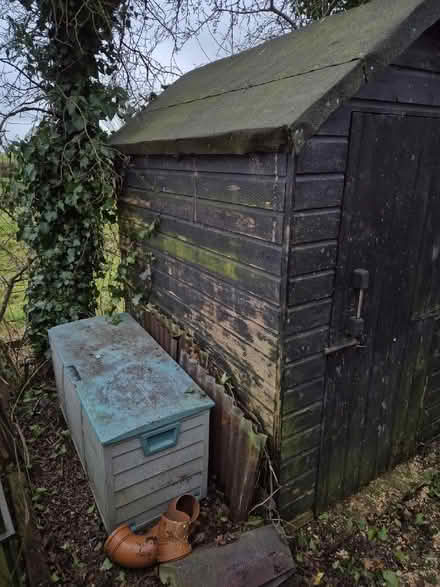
(430, 421)
(218, 254)
(411, 86)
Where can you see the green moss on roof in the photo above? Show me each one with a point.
(279, 93)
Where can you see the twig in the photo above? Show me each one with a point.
(26, 385)
(266, 500)
(10, 288)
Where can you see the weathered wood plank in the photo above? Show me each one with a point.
(317, 225)
(308, 316)
(432, 396)
(294, 491)
(423, 54)
(306, 343)
(301, 442)
(262, 340)
(240, 301)
(397, 84)
(312, 257)
(427, 295)
(430, 432)
(265, 256)
(318, 191)
(258, 192)
(230, 353)
(163, 162)
(252, 164)
(323, 155)
(304, 370)
(338, 125)
(249, 221)
(171, 204)
(252, 360)
(311, 287)
(303, 505)
(303, 395)
(171, 182)
(423, 336)
(251, 280)
(292, 468)
(431, 414)
(433, 387)
(297, 422)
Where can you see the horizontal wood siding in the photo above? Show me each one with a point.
(218, 254)
(411, 86)
(317, 198)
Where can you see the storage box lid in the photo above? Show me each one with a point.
(126, 382)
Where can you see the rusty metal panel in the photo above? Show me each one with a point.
(235, 448)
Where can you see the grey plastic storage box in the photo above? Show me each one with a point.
(139, 423)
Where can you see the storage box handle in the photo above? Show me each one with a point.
(160, 439)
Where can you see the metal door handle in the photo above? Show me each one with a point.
(355, 324)
(361, 280)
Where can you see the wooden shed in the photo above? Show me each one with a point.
(298, 186)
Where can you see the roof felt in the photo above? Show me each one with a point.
(282, 91)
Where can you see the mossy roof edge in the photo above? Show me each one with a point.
(277, 95)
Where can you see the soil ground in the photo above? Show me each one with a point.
(388, 535)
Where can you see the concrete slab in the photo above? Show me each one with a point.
(259, 558)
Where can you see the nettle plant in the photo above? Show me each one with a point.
(66, 175)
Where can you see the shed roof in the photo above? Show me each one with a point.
(280, 92)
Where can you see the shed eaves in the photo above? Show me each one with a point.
(278, 94)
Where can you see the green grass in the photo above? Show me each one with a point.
(12, 258)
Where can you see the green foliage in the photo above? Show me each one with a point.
(65, 179)
(317, 9)
(132, 281)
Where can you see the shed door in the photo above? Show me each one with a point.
(391, 231)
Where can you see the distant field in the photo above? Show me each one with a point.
(12, 256)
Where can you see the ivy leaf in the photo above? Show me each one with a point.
(390, 578)
(106, 565)
(136, 299)
(78, 122)
(71, 107)
(383, 534)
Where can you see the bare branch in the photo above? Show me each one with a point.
(10, 288)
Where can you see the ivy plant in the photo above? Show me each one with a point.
(66, 178)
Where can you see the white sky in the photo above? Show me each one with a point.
(196, 52)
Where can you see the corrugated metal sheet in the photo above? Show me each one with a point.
(235, 447)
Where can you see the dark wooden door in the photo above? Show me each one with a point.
(390, 229)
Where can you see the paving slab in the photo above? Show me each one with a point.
(259, 558)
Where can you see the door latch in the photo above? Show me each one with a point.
(356, 324)
(336, 348)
